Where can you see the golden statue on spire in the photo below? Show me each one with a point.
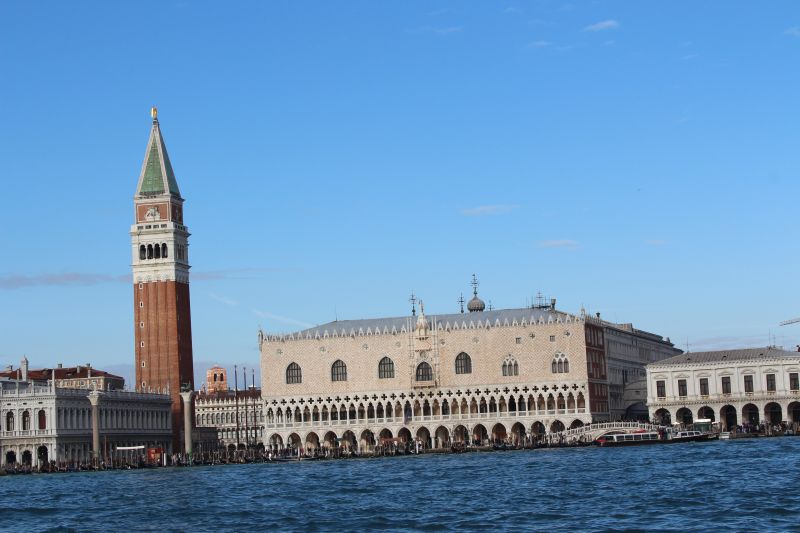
(154, 112)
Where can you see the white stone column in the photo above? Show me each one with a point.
(94, 399)
(187, 421)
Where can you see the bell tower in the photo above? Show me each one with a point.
(160, 246)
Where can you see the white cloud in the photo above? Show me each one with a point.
(222, 299)
(438, 31)
(603, 25)
(559, 243)
(278, 318)
(482, 210)
(794, 32)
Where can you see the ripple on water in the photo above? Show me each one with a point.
(734, 485)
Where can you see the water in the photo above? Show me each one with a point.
(750, 484)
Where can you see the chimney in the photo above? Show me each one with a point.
(24, 368)
(553, 304)
(60, 365)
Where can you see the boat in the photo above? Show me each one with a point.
(692, 436)
(629, 439)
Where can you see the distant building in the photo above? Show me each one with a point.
(236, 417)
(43, 422)
(74, 377)
(629, 351)
(734, 387)
(216, 379)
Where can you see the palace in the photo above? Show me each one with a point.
(508, 374)
(735, 387)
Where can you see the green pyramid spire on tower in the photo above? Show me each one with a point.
(157, 176)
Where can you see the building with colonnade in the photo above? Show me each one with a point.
(733, 387)
(490, 375)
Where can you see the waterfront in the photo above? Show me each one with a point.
(746, 484)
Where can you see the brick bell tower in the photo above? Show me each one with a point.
(160, 246)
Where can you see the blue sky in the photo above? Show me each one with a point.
(636, 158)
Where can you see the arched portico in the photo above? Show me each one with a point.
(349, 440)
(518, 432)
(42, 455)
(404, 435)
(773, 414)
(460, 434)
(727, 415)
(275, 442)
(576, 424)
(706, 413)
(684, 416)
(793, 412)
(662, 417)
(750, 414)
(330, 440)
(498, 432)
(556, 426)
(367, 441)
(538, 429)
(479, 434)
(424, 436)
(295, 441)
(442, 437)
(312, 441)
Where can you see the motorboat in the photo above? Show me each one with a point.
(628, 439)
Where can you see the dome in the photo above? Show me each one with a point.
(476, 305)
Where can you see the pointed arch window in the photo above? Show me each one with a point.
(560, 364)
(385, 368)
(164, 250)
(142, 252)
(424, 372)
(510, 367)
(294, 374)
(463, 363)
(339, 371)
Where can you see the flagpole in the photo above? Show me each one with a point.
(236, 402)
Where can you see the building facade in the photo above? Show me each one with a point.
(42, 422)
(236, 416)
(160, 255)
(734, 387)
(629, 351)
(216, 379)
(485, 376)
